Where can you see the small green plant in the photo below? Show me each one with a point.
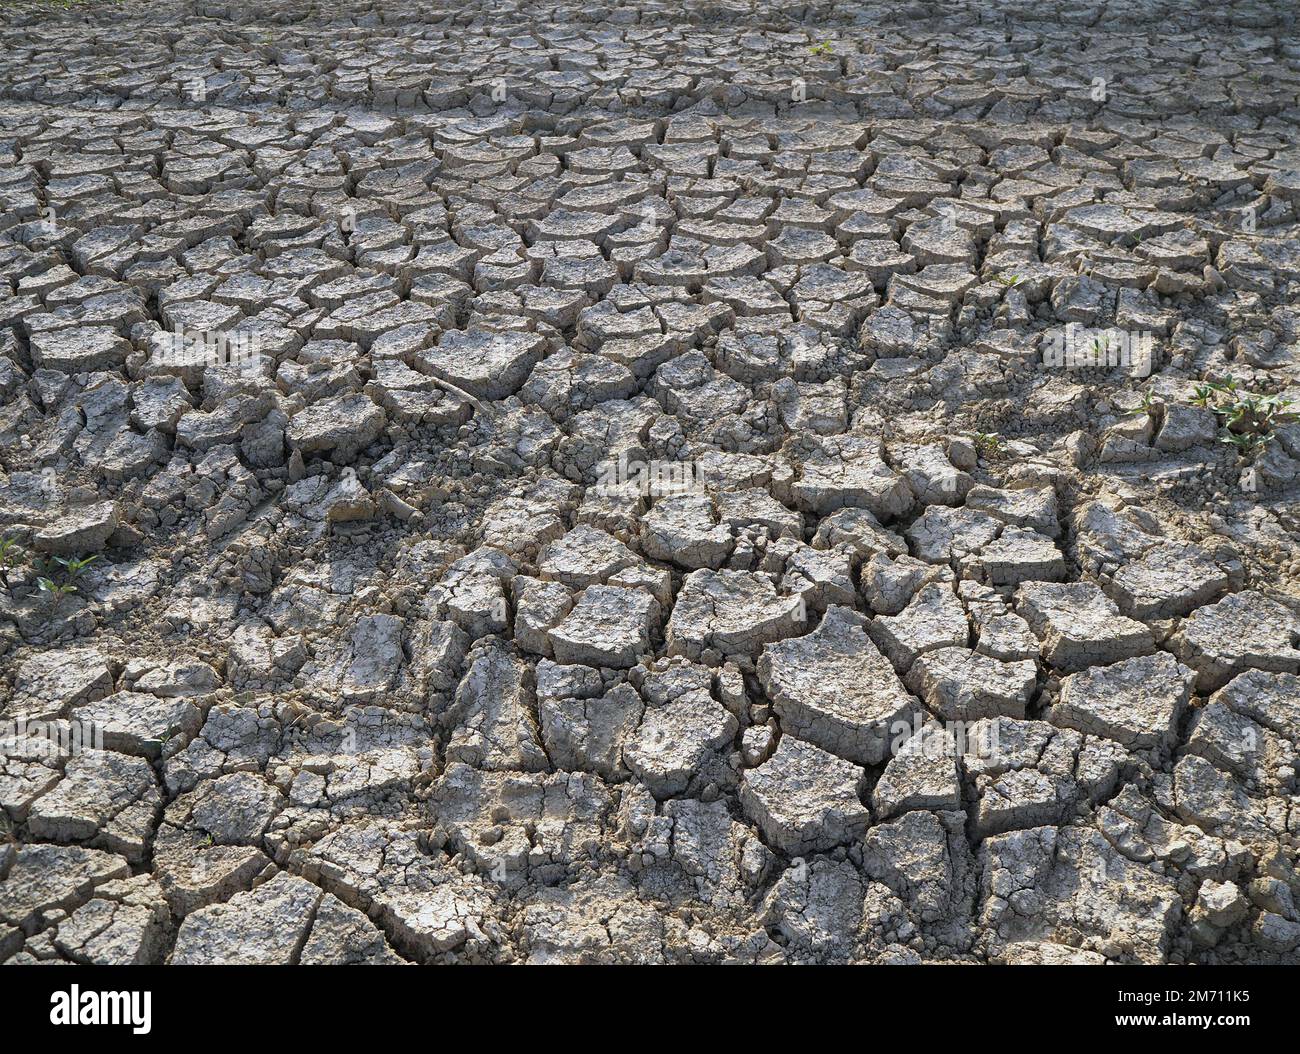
(1146, 405)
(9, 558)
(75, 565)
(988, 444)
(1248, 419)
(1010, 281)
(57, 578)
(160, 741)
(824, 48)
(1247, 443)
(56, 590)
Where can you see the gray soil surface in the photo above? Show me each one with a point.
(650, 482)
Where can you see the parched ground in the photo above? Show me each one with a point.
(649, 482)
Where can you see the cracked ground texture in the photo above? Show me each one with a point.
(630, 416)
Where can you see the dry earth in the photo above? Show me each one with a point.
(541, 461)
